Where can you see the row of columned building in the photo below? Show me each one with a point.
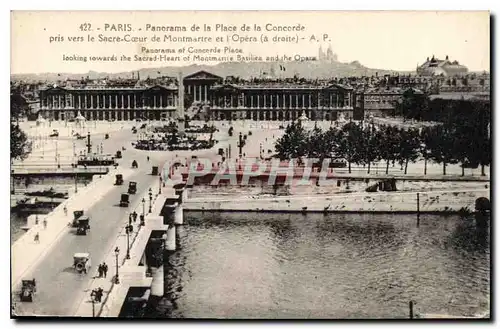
(130, 99)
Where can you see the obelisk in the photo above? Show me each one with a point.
(180, 109)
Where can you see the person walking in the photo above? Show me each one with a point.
(99, 292)
(100, 271)
(37, 237)
(105, 269)
(45, 223)
(65, 211)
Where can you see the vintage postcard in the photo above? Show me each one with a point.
(250, 164)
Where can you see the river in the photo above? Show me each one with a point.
(18, 219)
(275, 266)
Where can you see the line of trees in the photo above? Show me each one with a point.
(20, 146)
(364, 144)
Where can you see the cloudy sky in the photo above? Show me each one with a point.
(383, 40)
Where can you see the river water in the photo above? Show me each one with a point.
(18, 219)
(243, 265)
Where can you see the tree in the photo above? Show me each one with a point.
(442, 145)
(409, 147)
(349, 138)
(369, 146)
(389, 145)
(426, 140)
(20, 147)
(318, 145)
(18, 105)
(413, 105)
(293, 144)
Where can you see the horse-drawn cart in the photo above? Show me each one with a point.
(28, 289)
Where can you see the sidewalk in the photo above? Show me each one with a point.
(26, 253)
(113, 294)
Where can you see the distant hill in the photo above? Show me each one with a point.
(308, 70)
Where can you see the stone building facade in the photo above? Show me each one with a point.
(131, 99)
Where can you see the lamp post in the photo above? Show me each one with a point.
(127, 229)
(92, 299)
(159, 184)
(143, 207)
(117, 252)
(76, 182)
(143, 211)
(150, 199)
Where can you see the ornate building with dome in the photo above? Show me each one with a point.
(328, 56)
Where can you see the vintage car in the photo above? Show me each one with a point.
(119, 179)
(28, 289)
(154, 171)
(118, 154)
(55, 133)
(81, 262)
(124, 200)
(76, 214)
(132, 187)
(134, 164)
(83, 225)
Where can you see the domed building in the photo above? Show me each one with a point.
(444, 67)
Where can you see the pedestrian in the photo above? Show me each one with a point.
(36, 220)
(100, 270)
(45, 223)
(105, 269)
(65, 211)
(135, 216)
(130, 216)
(37, 238)
(99, 294)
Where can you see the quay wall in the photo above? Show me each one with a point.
(363, 202)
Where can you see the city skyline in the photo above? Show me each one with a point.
(396, 41)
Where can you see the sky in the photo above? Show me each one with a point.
(383, 40)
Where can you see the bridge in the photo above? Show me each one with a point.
(61, 290)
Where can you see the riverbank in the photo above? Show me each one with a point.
(431, 202)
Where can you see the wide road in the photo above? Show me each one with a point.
(59, 287)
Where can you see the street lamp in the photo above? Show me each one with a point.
(76, 181)
(117, 252)
(143, 211)
(150, 199)
(127, 229)
(159, 184)
(92, 299)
